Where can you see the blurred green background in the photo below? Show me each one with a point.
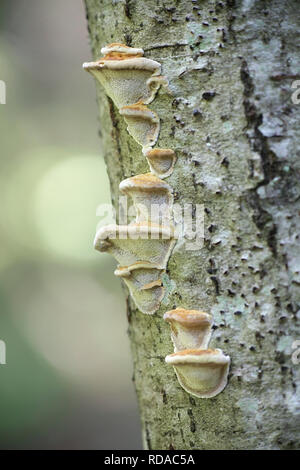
(67, 381)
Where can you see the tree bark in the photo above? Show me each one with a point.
(233, 125)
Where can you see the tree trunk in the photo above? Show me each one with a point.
(232, 122)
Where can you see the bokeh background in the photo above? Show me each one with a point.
(67, 381)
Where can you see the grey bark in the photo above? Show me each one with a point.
(234, 127)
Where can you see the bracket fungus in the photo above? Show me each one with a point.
(161, 161)
(201, 372)
(152, 197)
(130, 244)
(145, 285)
(143, 248)
(142, 124)
(190, 329)
(117, 50)
(126, 76)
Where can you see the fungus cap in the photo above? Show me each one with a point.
(144, 182)
(188, 318)
(144, 284)
(198, 356)
(152, 198)
(190, 329)
(135, 231)
(202, 373)
(127, 63)
(125, 271)
(122, 49)
(161, 161)
(142, 124)
(126, 76)
(130, 244)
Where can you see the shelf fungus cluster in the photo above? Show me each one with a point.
(202, 372)
(143, 247)
(143, 250)
(132, 81)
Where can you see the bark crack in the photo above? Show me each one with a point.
(163, 46)
(259, 143)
